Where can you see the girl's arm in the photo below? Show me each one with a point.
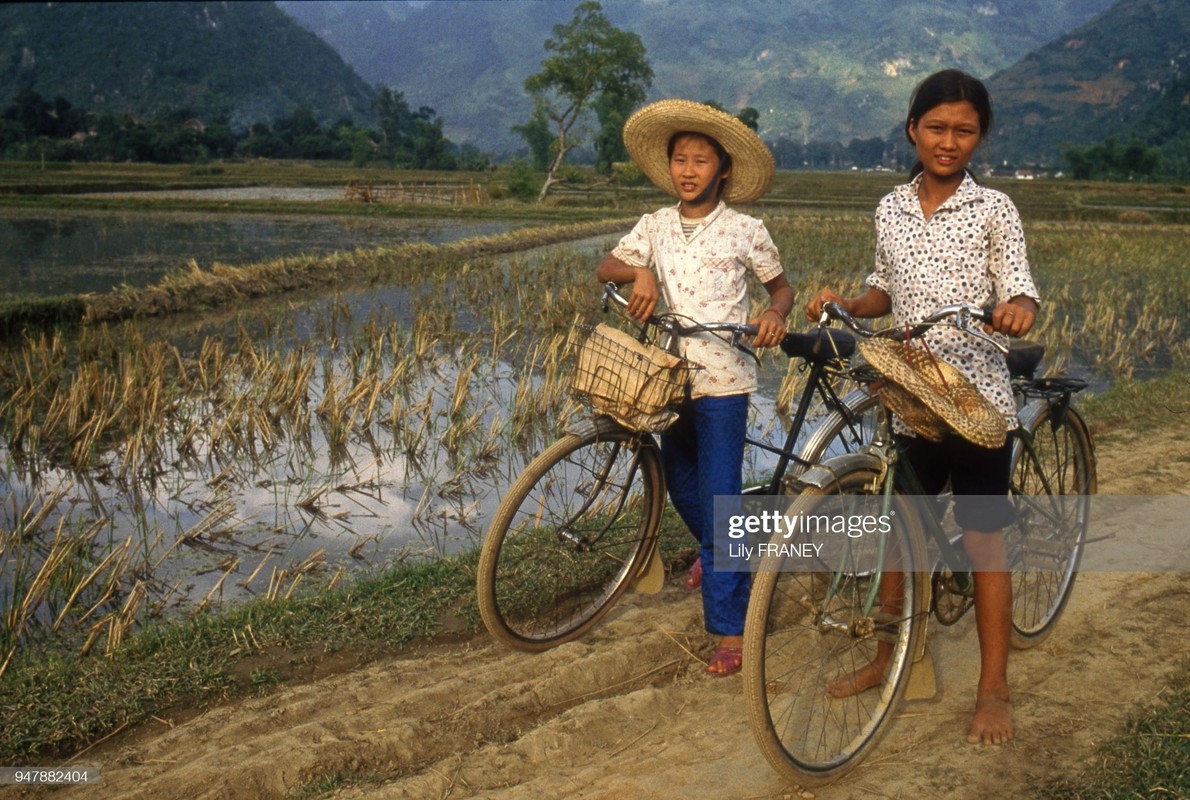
(771, 322)
(645, 292)
(871, 304)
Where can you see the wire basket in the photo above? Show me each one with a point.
(636, 384)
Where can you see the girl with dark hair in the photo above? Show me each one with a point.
(942, 239)
(697, 257)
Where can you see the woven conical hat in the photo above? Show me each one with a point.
(940, 387)
(913, 412)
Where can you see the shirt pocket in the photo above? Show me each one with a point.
(719, 278)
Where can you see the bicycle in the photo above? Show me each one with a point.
(807, 629)
(580, 525)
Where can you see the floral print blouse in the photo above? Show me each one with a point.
(971, 250)
(705, 279)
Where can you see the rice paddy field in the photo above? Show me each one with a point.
(299, 422)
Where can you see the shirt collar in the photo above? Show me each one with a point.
(967, 192)
(709, 218)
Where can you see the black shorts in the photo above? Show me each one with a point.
(978, 476)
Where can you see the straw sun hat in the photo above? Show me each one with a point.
(931, 396)
(648, 131)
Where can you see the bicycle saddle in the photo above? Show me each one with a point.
(819, 345)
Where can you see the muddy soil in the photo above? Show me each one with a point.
(627, 712)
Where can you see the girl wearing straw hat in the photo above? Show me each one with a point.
(696, 257)
(942, 238)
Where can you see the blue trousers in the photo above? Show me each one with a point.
(703, 456)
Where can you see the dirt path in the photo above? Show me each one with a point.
(627, 712)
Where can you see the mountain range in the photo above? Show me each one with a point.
(1062, 72)
(1125, 73)
(826, 70)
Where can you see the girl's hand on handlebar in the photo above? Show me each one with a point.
(824, 296)
(1014, 318)
(770, 329)
(645, 294)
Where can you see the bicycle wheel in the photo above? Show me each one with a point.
(569, 536)
(842, 432)
(1045, 542)
(810, 636)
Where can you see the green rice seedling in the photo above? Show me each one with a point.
(459, 431)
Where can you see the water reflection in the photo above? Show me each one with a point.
(301, 440)
(51, 253)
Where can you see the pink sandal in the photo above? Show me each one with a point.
(726, 661)
(694, 579)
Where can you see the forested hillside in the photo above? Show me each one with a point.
(1124, 75)
(829, 81)
(243, 62)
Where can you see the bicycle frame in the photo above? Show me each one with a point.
(816, 382)
(883, 456)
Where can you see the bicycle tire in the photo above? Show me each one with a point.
(569, 537)
(842, 432)
(1045, 542)
(793, 648)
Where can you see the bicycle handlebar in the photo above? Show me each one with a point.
(670, 324)
(964, 318)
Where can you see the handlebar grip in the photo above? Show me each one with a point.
(612, 292)
(751, 330)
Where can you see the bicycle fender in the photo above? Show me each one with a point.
(1029, 414)
(598, 425)
(823, 475)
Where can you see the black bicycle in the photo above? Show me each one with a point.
(581, 523)
(811, 627)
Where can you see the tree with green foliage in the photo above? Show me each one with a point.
(1109, 161)
(521, 182)
(34, 128)
(409, 138)
(588, 58)
(750, 117)
(536, 133)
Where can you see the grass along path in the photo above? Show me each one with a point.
(59, 704)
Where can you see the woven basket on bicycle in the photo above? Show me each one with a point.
(931, 396)
(636, 384)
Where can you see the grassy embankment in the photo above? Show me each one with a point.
(1120, 320)
(60, 703)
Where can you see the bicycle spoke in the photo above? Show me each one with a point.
(568, 537)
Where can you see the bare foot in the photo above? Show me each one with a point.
(992, 723)
(852, 683)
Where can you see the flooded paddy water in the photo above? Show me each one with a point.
(168, 466)
(229, 456)
(53, 253)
